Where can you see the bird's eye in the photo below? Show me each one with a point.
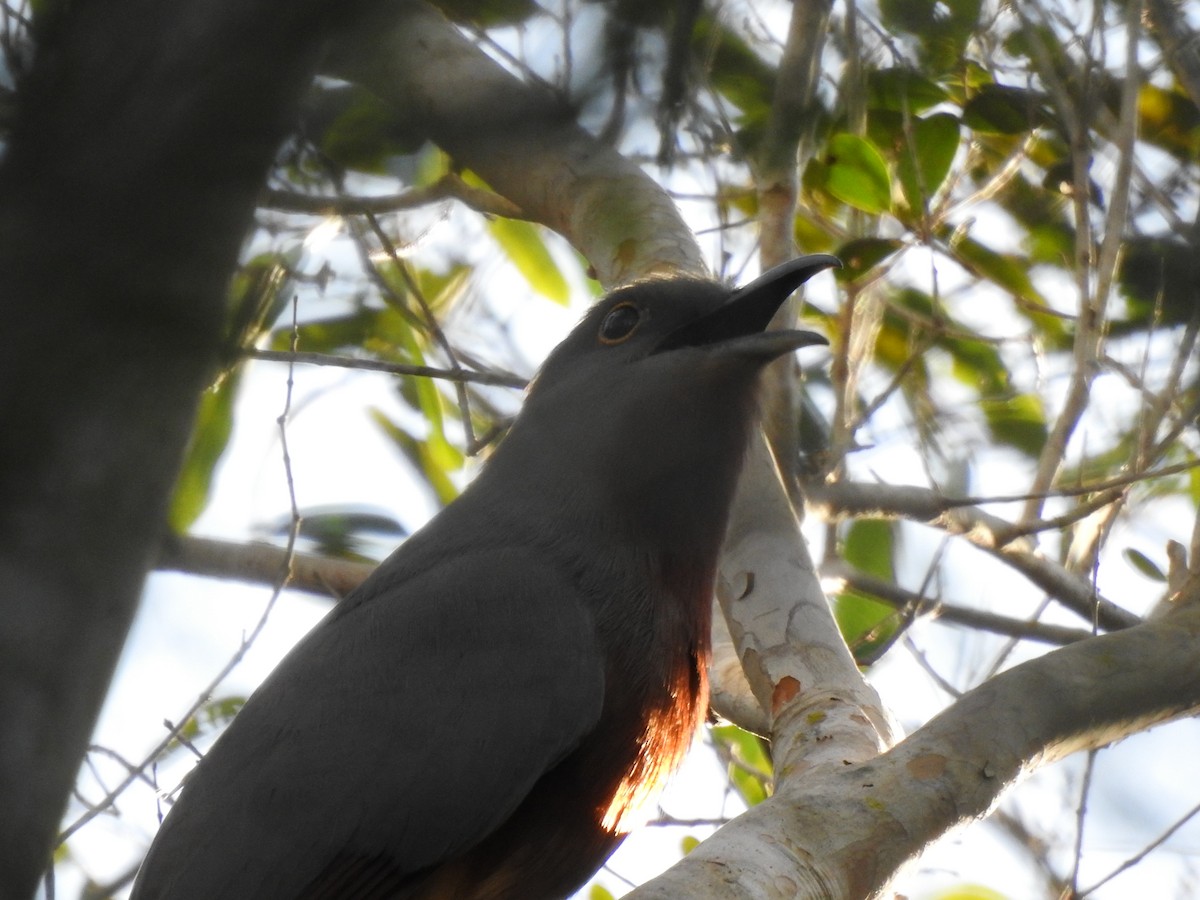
(620, 323)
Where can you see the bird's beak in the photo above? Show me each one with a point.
(749, 311)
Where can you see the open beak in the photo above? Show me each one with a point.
(749, 311)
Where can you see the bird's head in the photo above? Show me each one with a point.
(643, 411)
(650, 327)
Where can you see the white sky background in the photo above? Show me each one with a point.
(187, 627)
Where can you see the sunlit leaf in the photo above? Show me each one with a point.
(869, 546)
(856, 174)
(970, 892)
(1169, 119)
(214, 424)
(1018, 421)
(925, 160)
(753, 772)
(522, 242)
(434, 457)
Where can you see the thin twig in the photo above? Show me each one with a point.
(174, 733)
(500, 379)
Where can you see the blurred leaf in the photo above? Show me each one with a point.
(1144, 564)
(1169, 119)
(597, 892)
(1004, 270)
(977, 364)
(688, 843)
(753, 772)
(433, 457)
(861, 256)
(903, 90)
(970, 892)
(856, 174)
(214, 424)
(1158, 278)
(367, 132)
(523, 243)
(925, 162)
(258, 293)
(736, 71)
(942, 26)
(342, 531)
(489, 13)
(346, 334)
(869, 546)
(213, 715)
(1017, 421)
(1000, 109)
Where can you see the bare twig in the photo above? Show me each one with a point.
(501, 379)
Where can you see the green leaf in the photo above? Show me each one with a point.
(735, 70)
(1017, 421)
(433, 457)
(489, 13)
(869, 545)
(1144, 564)
(999, 109)
(1004, 270)
(367, 133)
(597, 892)
(925, 162)
(856, 174)
(942, 26)
(903, 90)
(524, 245)
(1169, 119)
(340, 531)
(865, 623)
(861, 256)
(688, 843)
(970, 892)
(752, 774)
(214, 424)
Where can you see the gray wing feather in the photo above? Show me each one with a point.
(408, 727)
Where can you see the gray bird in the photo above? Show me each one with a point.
(480, 718)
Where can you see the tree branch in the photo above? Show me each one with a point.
(132, 148)
(982, 529)
(844, 830)
(520, 140)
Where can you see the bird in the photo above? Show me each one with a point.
(485, 714)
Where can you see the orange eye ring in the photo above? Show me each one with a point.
(619, 323)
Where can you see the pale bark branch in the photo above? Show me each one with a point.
(520, 140)
(259, 563)
(843, 831)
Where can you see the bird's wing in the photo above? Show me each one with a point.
(409, 727)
